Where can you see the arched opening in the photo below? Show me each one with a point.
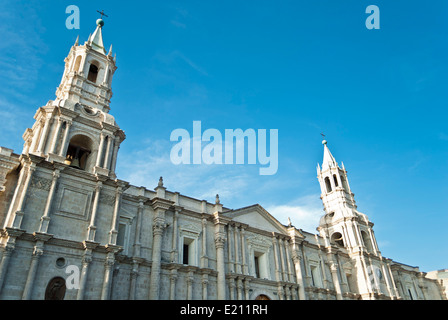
(335, 180)
(77, 63)
(366, 240)
(93, 73)
(328, 184)
(55, 289)
(78, 152)
(262, 297)
(337, 239)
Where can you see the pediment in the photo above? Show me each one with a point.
(257, 217)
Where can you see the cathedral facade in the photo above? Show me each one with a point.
(70, 229)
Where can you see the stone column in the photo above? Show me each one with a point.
(158, 228)
(113, 164)
(114, 228)
(173, 279)
(204, 286)
(100, 150)
(43, 138)
(37, 253)
(134, 276)
(63, 149)
(84, 272)
(204, 257)
(20, 181)
(17, 218)
(92, 227)
(108, 155)
(175, 237)
(159, 205)
(190, 280)
(56, 136)
(243, 251)
(45, 220)
(8, 248)
(220, 240)
(282, 258)
(247, 288)
(36, 134)
(32, 273)
(108, 266)
(288, 261)
(278, 275)
(334, 274)
(231, 286)
(239, 288)
(137, 241)
(237, 256)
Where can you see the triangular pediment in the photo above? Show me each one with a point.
(257, 217)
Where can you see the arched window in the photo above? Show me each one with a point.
(262, 297)
(366, 240)
(93, 73)
(55, 289)
(337, 239)
(79, 149)
(328, 184)
(77, 63)
(335, 180)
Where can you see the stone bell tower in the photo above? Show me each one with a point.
(347, 229)
(76, 128)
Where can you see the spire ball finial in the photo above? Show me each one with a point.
(100, 22)
(324, 142)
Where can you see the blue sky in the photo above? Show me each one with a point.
(302, 67)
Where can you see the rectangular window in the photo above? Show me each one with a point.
(257, 267)
(189, 252)
(410, 294)
(185, 259)
(260, 265)
(315, 276)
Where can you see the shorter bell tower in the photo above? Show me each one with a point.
(342, 223)
(76, 129)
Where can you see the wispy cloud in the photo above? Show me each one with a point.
(143, 167)
(304, 212)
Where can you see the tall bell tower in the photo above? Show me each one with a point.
(347, 229)
(76, 128)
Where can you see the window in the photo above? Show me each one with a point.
(335, 180)
(410, 294)
(93, 73)
(257, 267)
(260, 265)
(121, 236)
(315, 276)
(366, 240)
(328, 184)
(189, 252)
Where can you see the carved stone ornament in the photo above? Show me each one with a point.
(41, 183)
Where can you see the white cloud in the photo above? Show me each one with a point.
(304, 212)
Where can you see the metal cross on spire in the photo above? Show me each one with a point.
(102, 14)
(323, 136)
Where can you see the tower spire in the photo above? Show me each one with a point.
(329, 161)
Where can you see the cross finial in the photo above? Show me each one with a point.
(102, 14)
(324, 142)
